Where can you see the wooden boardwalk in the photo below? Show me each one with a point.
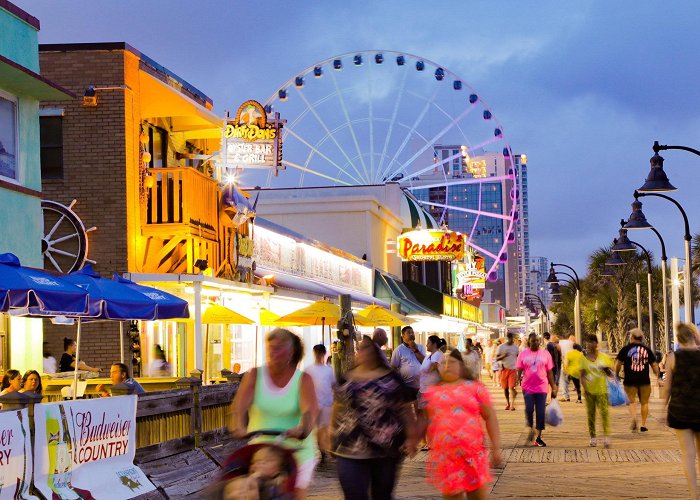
(639, 465)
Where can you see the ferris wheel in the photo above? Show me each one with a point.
(374, 117)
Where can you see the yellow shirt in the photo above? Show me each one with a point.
(572, 363)
(593, 377)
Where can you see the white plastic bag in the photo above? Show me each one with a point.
(553, 415)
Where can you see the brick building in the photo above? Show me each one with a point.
(128, 154)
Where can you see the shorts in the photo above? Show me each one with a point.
(324, 416)
(643, 391)
(509, 378)
(674, 423)
(305, 473)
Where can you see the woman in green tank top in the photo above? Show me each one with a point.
(278, 396)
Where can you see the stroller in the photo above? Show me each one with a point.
(237, 466)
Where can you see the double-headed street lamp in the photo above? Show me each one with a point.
(552, 278)
(657, 181)
(638, 221)
(543, 308)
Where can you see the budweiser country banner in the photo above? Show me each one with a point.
(85, 449)
(15, 455)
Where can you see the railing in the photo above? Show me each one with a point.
(215, 401)
(167, 421)
(182, 195)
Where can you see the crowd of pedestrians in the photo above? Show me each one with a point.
(431, 397)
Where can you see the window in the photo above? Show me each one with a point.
(8, 136)
(51, 133)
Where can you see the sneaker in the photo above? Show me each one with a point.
(563, 399)
(606, 442)
(539, 442)
(633, 426)
(593, 443)
(530, 435)
(507, 407)
(579, 401)
(643, 429)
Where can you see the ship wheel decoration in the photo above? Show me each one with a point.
(65, 241)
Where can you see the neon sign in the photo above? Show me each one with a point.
(424, 245)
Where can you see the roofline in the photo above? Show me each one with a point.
(37, 76)
(259, 188)
(78, 47)
(23, 15)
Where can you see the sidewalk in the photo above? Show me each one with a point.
(637, 466)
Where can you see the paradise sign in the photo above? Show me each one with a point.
(431, 245)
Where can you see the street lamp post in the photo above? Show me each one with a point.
(657, 181)
(651, 306)
(542, 308)
(552, 278)
(624, 244)
(687, 286)
(638, 220)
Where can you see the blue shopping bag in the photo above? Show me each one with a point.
(616, 393)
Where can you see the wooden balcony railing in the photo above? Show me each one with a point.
(181, 196)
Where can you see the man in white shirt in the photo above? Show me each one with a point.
(324, 382)
(565, 345)
(507, 355)
(407, 359)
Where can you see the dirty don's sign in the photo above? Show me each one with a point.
(251, 141)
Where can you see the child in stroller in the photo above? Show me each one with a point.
(261, 471)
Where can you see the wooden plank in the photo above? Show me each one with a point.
(162, 450)
(217, 394)
(164, 403)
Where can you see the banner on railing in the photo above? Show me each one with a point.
(85, 449)
(15, 455)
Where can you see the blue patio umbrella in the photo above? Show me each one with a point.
(109, 299)
(168, 306)
(37, 292)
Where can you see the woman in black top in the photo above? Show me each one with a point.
(67, 362)
(681, 392)
(373, 426)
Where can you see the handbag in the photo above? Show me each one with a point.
(616, 393)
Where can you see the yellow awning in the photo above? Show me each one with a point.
(159, 100)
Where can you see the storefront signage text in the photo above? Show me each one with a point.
(282, 254)
(424, 245)
(250, 140)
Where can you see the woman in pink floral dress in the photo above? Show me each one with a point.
(458, 461)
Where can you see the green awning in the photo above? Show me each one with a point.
(392, 290)
(22, 81)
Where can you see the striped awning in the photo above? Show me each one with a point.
(413, 213)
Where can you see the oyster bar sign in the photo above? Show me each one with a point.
(425, 245)
(250, 140)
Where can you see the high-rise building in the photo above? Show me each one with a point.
(523, 228)
(539, 270)
(483, 232)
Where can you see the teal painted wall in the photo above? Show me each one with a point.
(22, 230)
(21, 221)
(19, 41)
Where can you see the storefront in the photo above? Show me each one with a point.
(292, 272)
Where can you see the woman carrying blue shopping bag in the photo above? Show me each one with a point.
(595, 368)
